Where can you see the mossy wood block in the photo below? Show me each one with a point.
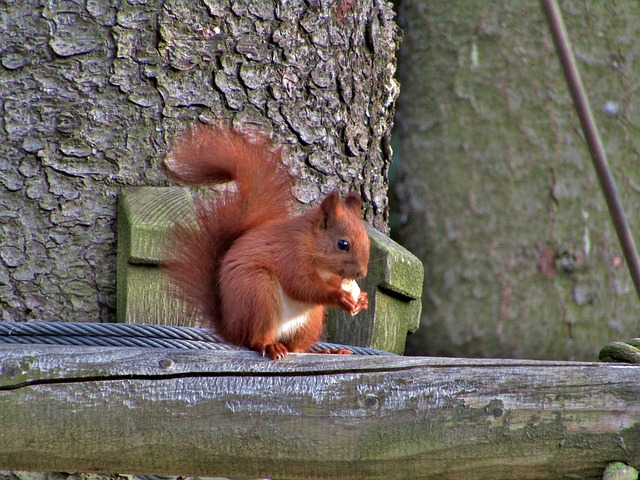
(145, 218)
(146, 215)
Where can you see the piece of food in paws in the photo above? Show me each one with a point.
(352, 287)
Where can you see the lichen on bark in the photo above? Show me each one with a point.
(498, 195)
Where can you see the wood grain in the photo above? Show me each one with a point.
(312, 416)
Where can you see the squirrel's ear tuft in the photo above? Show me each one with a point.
(328, 208)
(353, 202)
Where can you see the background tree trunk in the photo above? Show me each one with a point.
(497, 192)
(92, 94)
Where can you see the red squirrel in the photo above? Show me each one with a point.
(257, 275)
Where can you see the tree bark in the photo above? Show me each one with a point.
(498, 195)
(93, 93)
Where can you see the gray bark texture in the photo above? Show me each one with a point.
(497, 193)
(93, 93)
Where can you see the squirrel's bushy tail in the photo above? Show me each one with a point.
(262, 192)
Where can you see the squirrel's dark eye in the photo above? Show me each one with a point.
(343, 245)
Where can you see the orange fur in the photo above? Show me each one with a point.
(257, 275)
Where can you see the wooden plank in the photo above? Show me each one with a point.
(234, 414)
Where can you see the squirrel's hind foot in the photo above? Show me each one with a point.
(276, 351)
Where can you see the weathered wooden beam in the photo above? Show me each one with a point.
(312, 416)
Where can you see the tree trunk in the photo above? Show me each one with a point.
(498, 195)
(92, 94)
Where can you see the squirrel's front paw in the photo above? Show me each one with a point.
(363, 303)
(347, 302)
(359, 297)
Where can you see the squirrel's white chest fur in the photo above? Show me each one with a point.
(294, 316)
